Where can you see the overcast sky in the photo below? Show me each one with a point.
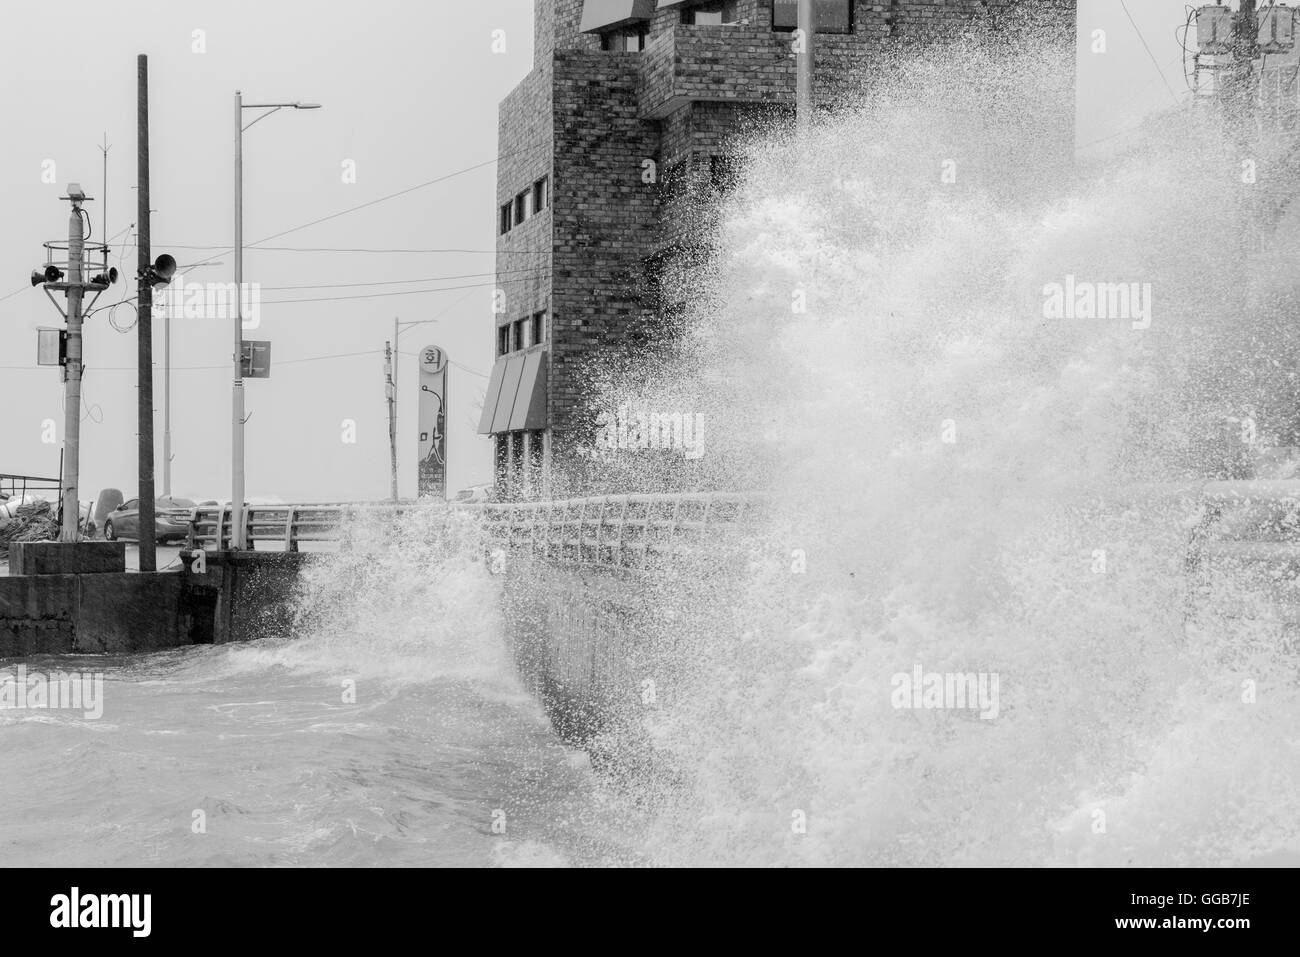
(410, 92)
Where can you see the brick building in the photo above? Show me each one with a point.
(609, 153)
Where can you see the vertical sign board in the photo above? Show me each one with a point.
(432, 479)
(256, 359)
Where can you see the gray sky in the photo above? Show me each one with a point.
(410, 92)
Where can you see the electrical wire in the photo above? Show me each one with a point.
(382, 199)
(1141, 37)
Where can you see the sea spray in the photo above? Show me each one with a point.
(949, 478)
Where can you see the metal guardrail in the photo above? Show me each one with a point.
(627, 531)
(288, 525)
(624, 531)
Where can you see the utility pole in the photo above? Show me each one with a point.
(70, 531)
(804, 60)
(390, 387)
(144, 326)
(397, 361)
(237, 387)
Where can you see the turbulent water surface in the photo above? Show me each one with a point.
(950, 471)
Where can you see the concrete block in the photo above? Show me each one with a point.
(66, 558)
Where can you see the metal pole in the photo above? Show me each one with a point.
(446, 430)
(804, 63)
(391, 388)
(237, 388)
(144, 328)
(167, 404)
(72, 382)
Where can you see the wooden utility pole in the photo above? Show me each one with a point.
(144, 325)
(804, 60)
(391, 389)
(1245, 51)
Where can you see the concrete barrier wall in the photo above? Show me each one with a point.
(600, 646)
(96, 614)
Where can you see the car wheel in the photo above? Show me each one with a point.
(110, 534)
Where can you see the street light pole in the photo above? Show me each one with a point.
(237, 537)
(237, 386)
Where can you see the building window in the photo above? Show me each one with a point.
(503, 340)
(502, 458)
(722, 173)
(535, 455)
(520, 335)
(506, 222)
(629, 39)
(539, 328)
(521, 207)
(516, 457)
(540, 197)
(829, 16)
(715, 13)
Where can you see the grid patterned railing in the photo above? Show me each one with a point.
(627, 531)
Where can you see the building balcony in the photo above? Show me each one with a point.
(728, 64)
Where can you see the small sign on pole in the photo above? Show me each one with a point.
(256, 359)
(51, 347)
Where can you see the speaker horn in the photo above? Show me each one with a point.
(48, 274)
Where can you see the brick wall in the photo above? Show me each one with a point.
(590, 119)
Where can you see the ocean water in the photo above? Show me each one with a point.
(951, 477)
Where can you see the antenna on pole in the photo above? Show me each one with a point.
(103, 202)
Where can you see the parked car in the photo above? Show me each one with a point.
(474, 495)
(171, 520)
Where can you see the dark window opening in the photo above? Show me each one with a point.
(521, 208)
(505, 219)
(516, 456)
(539, 328)
(629, 39)
(829, 16)
(540, 195)
(503, 340)
(715, 13)
(723, 173)
(535, 454)
(502, 458)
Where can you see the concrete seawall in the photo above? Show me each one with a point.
(235, 599)
(105, 613)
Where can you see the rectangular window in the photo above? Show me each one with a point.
(505, 218)
(630, 39)
(516, 457)
(716, 13)
(722, 173)
(519, 333)
(539, 328)
(521, 212)
(502, 458)
(503, 340)
(829, 16)
(535, 454)
(540, 197)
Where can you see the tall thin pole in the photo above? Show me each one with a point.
(397, 361)
(144, 325)
(237, 388)
(70, 531)
(103, 202)
(804, 64)
(390, 387)
(167, 404)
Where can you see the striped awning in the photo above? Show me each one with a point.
(516, 394)
(603, 14)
